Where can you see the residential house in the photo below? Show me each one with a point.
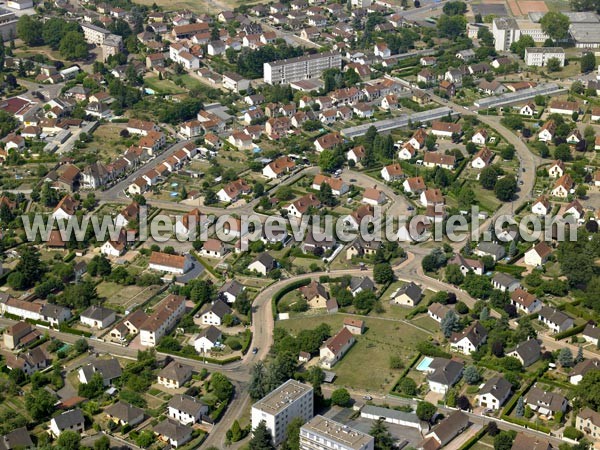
(470, 339)
(445, 431)
(580, 369)
(20, 334)
(175, 264)
(443, 373)
(174, 375)
(431, 197)
(208, 339)
(408, 295)
(68, 421)
(354, 326)
(505, 282)
(373, 196)
(108, 369)
(483, 158)
(445, 129)
(433, 159)
(355, 218)
(231, 290)
(562, 187)
(530, 442)
(318, 242)
(360, 284)
(547, 132)
(437, 311)
(214, 313)
(554, 319)
(165, 316)
(356, 154)
(172, 432)
(392, 172)
(186, 410)
(122, 413)
(414, 185)
(19, 438)
(337, 185)
(231, 192)
(492, 249)
(538, 254)
(263, 264)
(97, 317)
(527, 352)
(545, 403)
(361, 247)
(528, 109)
(494, 393)
(588, 422)
(335, 348)
(541, 206)
(328, 141)
(29, 361)
(564, 107)
(65, 209)
(525, 302)
(591, 333)
(315, 294)
(299, 207)
(279, 167)
(213, 248)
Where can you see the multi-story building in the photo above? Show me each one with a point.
(94, 34)
(539, 56)
(277, 409)
(8, 24)
(161, 320)
(300, 68)
(321, 433)
(507, 30)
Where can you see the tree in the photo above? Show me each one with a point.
(341, 397)
(383, 438)
(520, 408)
(292, 441)
(261, 438)
(383, 273)
(519, 46)
(454, 275)
(221, 386)
(484, 314)
(29, 30)
(588, 62)
(408, 386)
(102, 444)
(81, 346)
(504, 440)
(455, 8)
(555, 25)
(471, 375)
(553, 65)
(579, 357)
(145, 439)
(565, 357)
(40, 404)
(588, 389)
(451, 27)
(425, 411)
(488, 178)
(450, 324)
(69, 440)
(505, 188)
(257, 381)
(236, 431)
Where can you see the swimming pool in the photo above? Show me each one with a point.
(424, 364)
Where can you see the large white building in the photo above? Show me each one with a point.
(277, 409)
(164, 317)
(539, 56)
(300, 68)
(507, 30)
(321, 433)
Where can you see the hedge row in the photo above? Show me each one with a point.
(67, 329)
(220, 362)
(570, 332)
(525, 423)
(474, 439)
(284, 290)
(247, 342)
(405, 372)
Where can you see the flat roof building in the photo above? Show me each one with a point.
(321, 433)
(300, 68)
(277, 409)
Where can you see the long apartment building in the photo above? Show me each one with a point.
(539, 56)
(165, 316)
(321, 433)
(45, 312)
(300, 68)
(277, 409)
(507, 30)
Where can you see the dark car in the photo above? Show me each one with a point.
(255, 350)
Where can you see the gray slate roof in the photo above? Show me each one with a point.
(173, 430)
(124, 411)
(68, 419)
(529, 351)
(445, 371)
(187, 404)
(176, 371)
(97, 312)
(497, 386)
(212, 333)
(18, 438)
(413, 291)
(362, 282)
(219, 308)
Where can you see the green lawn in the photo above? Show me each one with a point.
(366, 365)
(163, 86)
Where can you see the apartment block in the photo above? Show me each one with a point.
(277, 409)
(539, 56)
(300, 68)
(321, 433)
(165, 316)
(507, 30)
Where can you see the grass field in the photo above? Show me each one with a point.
(107, 142)
(125, 296)
(366, 365)
(163, 86)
